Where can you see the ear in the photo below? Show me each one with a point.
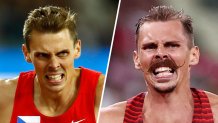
(136, 60)
(194, 56)
(77, 49)
(26, 53)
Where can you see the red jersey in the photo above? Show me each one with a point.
(202, 109)
(81, 110)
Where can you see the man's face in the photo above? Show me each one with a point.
(163, 55)
(52, 55)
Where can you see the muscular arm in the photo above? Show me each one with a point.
(113, 114)
(7, 92)
(98, 94)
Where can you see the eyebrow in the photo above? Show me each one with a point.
(148, 43)
(43, 53)
(40, 52)
(63, 51)
(171, 41)
(165, 41)
(155, 43)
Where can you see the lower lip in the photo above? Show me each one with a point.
(55, 82)
(164, 79)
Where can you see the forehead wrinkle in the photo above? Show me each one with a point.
(51, 52)
(145, 36)
(150, 31)
(51, 42)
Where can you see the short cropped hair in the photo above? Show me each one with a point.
(49, 19)
(166, 13)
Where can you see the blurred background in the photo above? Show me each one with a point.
(123, 81)
(96, 20)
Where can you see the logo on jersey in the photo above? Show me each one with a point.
(28, 119)
(79, 121)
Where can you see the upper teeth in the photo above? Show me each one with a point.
(162, 69)
(55, 77)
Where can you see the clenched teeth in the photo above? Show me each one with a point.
(163, 70)
(55, 77)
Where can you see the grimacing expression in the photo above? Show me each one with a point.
(52, 55)
(163, 55)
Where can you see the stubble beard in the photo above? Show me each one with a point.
(164, 90)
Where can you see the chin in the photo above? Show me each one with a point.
(56, 89)
(165, 88)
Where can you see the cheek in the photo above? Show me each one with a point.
(67, 63)
(39, 66)
(180, 58)
(145, 59)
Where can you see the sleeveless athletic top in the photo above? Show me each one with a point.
(81, 110)
(202, 109)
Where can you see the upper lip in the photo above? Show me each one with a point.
(156, 66)
(162, 63)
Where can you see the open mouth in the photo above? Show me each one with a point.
(163, 71)
(163, 74)
(55, 78)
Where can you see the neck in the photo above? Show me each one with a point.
(173, 107)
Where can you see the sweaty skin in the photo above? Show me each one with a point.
(52, 55)
(169, 99)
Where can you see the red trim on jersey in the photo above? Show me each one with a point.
(81, 108)
(202, 108)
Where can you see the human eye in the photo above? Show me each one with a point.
(172, 45)
(63, 53)
(149, 46)
(42, 55)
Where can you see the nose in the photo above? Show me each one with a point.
(161, 53)
(54, 63)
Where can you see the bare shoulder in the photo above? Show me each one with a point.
(98, 94)
(213, 98)
(99, 87)
(8, 83)
(7, 93)
(7, 89)
(101, 81)
(113, 114)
